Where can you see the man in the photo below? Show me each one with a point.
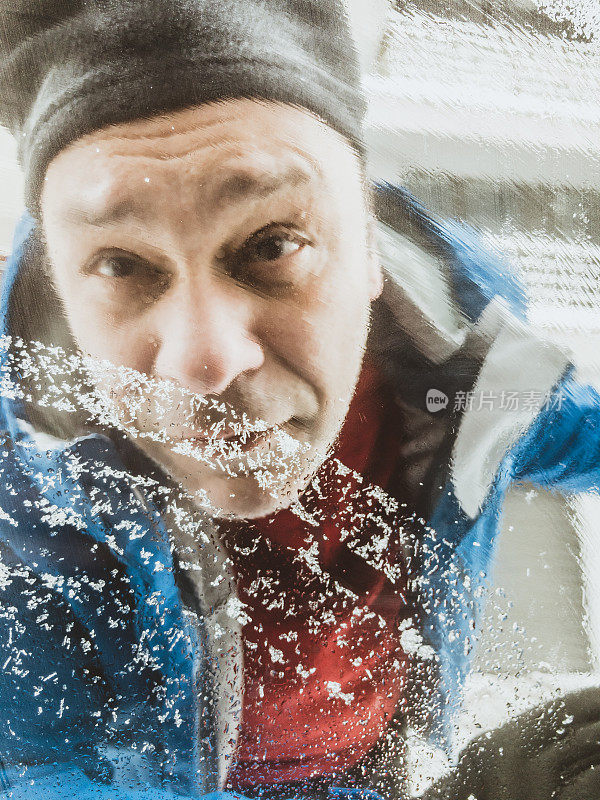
(238, 549)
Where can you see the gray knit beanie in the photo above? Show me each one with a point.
(69, 67)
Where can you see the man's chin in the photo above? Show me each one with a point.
(241, 498)
(248, 489)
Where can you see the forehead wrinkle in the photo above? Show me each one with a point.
(168, 129)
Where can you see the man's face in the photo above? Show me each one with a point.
(222, 250)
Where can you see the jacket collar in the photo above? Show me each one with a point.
(516, 380)
(501, 356)
(417, 291)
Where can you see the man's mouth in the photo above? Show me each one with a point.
(229, 443)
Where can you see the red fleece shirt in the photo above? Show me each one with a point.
(324, 668)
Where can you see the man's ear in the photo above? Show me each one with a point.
(375, 272)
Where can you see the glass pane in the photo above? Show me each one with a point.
(299, 400)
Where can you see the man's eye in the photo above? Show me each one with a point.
(272, 246)
(127, 267)
(272, 259)
(129, 274)
(117, 267)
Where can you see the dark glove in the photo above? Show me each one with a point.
(549, 753)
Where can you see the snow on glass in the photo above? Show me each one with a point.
(156, 522)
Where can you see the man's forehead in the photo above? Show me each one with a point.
(217, 187)
(208, 159)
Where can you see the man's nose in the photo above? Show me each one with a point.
(204, 339)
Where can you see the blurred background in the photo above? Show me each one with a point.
(489, 112)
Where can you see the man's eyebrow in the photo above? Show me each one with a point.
(240, 186)
(123, 210)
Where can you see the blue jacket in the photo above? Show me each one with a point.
(103, 673)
